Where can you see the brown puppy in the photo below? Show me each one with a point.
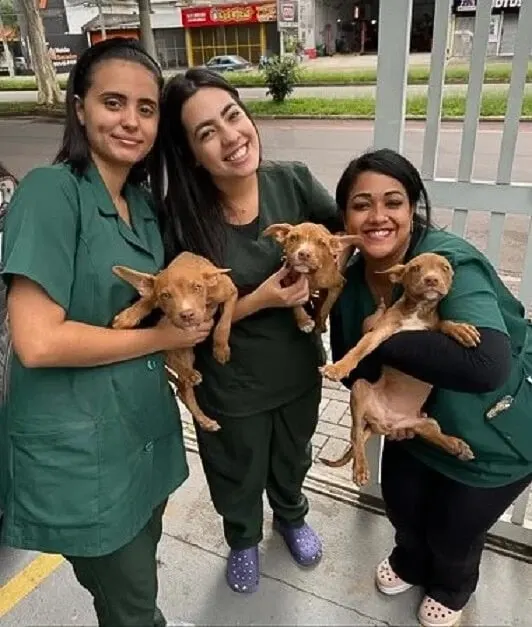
(311, 249)
(189, 291)
(395, 401)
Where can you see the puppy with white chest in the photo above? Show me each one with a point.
(311, 249)
(189, 291)
(396, 400)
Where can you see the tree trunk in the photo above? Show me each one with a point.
(146, 32)
(49, 92)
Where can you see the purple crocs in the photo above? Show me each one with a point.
(242, 572)
(302, 542)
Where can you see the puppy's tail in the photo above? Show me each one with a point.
(346, 457)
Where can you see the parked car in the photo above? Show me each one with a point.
(229, 63)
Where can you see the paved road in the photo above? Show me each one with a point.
(258, 93)
(327, 147)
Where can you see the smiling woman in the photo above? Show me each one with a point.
(441, 507)
(221, 197)
(100, 405)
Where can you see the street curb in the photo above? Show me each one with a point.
(60, 116)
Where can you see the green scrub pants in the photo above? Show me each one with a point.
(269, 451)
(124, 583)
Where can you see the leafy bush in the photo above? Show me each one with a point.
(280, 75)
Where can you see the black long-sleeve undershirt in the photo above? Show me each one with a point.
(437, 359)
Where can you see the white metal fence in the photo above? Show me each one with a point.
(463, 195)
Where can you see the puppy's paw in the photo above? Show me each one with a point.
(207, 424)
(124, 320)
(334, 372)
(463, 333)
(470, 334)
(308, 326)
(463, 450)
(191, 378)
(221, 352)
(361, 473)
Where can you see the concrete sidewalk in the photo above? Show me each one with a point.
(340, 591)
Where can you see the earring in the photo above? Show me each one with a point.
(412, 226)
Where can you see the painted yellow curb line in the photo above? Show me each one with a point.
(27, 580)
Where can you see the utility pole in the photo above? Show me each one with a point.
(146, 32)
(102, 19)
(7, 52)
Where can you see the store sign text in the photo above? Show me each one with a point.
(465, 6)
(222, 15)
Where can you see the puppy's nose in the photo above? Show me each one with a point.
(431, 281)
(303, 254)
(187, 315)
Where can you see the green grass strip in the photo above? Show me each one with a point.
(455, 75)
(493, 105)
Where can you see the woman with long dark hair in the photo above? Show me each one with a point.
(441, 507)
(91, 439)
(220, 197)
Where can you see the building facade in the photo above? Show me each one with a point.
(248, 30)
(190, 32)
(503, 27)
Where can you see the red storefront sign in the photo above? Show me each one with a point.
(227, 14)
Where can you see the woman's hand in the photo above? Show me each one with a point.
(171, 337)
(272, 293)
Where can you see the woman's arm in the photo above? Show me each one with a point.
(42, 337)
(439, 360)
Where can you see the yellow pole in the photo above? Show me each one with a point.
(263, 38)
(188, 45)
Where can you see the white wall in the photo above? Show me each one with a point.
(326, 12)
(166, 14)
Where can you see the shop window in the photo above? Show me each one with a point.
(244, 41)
(171, 48)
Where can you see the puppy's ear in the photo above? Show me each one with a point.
(211, 276)
(141, 281)
(340, 242)
(395, 273)
(278, 231)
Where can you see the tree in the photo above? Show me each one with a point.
(281, 75)
(49, 92)
(8, 14)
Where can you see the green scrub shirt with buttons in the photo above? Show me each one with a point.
(86, 454)
(501, 439)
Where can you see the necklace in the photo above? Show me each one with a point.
(237, 215)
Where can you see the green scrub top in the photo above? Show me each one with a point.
(86, 454)
(502, 444)
(272, 361)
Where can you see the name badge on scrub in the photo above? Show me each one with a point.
(503, 404)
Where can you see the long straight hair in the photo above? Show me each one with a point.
(189, 203)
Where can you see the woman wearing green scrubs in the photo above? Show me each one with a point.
(91, 438)
(220, 198)
(441, 507)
